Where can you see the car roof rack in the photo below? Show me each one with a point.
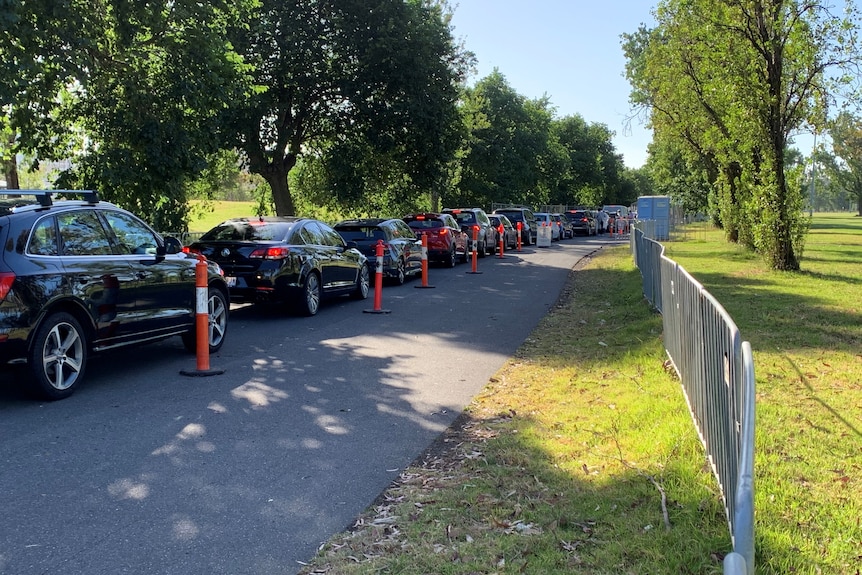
(45, 199)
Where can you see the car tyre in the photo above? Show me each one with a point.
(309, 303)
(218, 310)
(58, 356)
(363, 283)
(482, 249)
(400, 276)
(452, 259)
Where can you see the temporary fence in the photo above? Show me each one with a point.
(716, 370)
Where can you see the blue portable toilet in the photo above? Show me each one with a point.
(657, 209)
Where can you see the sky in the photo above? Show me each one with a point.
(567, 50)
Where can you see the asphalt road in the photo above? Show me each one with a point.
(147, 471)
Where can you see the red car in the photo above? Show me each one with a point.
(446, 242)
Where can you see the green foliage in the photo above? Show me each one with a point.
(846, 131)
(352, 76)
(115, 81)
(518, 152)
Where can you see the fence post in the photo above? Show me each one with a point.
(202, 323)
(424, 262)
(378, 282)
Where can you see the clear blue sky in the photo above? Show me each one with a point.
(568, 50)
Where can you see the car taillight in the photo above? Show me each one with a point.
(444, 232)
(6, 281)
(269, 253)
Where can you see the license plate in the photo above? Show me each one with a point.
(231, 281)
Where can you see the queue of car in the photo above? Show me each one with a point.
(79, 276)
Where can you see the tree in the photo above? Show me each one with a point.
(509, 137)
(130, 91)
(846, 132)
(734, 79)
(332, 76)
(594, 170)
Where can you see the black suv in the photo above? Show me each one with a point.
(475, 219)
(81, 276)
(524, 216)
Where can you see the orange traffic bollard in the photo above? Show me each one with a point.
(519, 235)
(424, 262)
(502, 231)
(202, 323)
(475, 251)
(378, 281)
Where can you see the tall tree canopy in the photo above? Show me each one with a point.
(732, 80)
(344, 76)
(509, 138)
(131, 91)
(594, 170)
(846, 132)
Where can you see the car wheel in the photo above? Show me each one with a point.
(309, 303)
(362, 283)
(217, 310)
(400, 277)
(482, 249)
(452, 259)
(58, 356)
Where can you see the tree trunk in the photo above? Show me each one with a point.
(10, 169)
(275, 175)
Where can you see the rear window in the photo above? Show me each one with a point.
(465, 217)
(513, 216)
(425, 224)
(248, 231)
(361, 233)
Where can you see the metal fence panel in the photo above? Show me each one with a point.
(716, 371)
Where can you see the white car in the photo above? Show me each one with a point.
(545, 219)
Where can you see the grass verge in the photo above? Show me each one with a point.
(579, 456)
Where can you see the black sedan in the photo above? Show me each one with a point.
(298, 261)
(402, 250)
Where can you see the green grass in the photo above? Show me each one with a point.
(580, 456)
(204, 216)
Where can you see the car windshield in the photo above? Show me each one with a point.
(249, 231)
(361, 233)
